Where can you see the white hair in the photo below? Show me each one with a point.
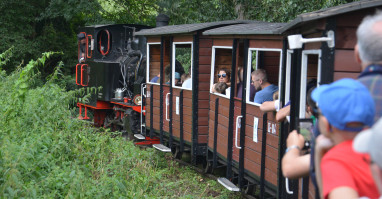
(369, 39)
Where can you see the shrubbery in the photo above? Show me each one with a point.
(45, 152)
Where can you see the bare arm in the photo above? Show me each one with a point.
(268, 106)
(293, 164)
(282, 113)
(343, 193)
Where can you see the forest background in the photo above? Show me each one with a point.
(32, 27)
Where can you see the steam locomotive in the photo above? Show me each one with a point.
(113, 60)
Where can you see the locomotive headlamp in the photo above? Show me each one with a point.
(296, 41)
(137, 100)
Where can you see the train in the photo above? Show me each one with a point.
(137, 70)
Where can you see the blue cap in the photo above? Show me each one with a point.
(345, 101)
(177, 75)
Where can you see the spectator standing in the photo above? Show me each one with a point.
(368, 53)
(345, 108)
(264, 89)
(369, 141)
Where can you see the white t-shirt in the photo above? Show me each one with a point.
(187, 83)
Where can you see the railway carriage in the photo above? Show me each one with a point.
(178, 115)
(241, 137)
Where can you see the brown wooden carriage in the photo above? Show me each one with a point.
(241, 137)
(259, 162)
(177, 115)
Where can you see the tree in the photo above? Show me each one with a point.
(196, 11)
(37, 26)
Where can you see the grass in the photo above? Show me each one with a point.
(46, 153)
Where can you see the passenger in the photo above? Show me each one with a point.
(186, 80)
(155, 79)
(368, 53)
(223, 76)
(221, 87)
(294, 164)
(264, 89)
(177, 79)
(270, 106)
(369, 141)
(284, 112)
(179, 68)
(82, 42)
(167, 71)
(252, 90)
(345, 108)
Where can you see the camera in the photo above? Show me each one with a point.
(305, 128)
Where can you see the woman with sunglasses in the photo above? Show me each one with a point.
(224, 77)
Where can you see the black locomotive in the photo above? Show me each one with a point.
(112, 59)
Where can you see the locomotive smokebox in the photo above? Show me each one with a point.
(162, 20)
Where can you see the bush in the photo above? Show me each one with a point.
(45, 152)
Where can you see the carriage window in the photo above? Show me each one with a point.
(153, 63)
(104, 42)
(221, 70)
(182, 65)
(263, 75)
(310, 73)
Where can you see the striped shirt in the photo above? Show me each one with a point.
(371, 77)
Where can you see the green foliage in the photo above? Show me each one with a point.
(5, 57)
(183, 55)
(45, 152)
(197, 11)
(133, 12)
(281, 10)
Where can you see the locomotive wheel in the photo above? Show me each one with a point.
(111, 123)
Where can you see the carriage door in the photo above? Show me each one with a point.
(152, 88)
(310, 76)
(182, 54)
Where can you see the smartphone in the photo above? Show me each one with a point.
(305, 128)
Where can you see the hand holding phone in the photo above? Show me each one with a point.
(305, 128)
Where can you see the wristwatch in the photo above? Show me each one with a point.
(292, 147)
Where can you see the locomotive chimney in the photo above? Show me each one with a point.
(162, 20)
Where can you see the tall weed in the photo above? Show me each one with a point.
(45, 152)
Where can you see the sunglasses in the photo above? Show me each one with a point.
(222, 75)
